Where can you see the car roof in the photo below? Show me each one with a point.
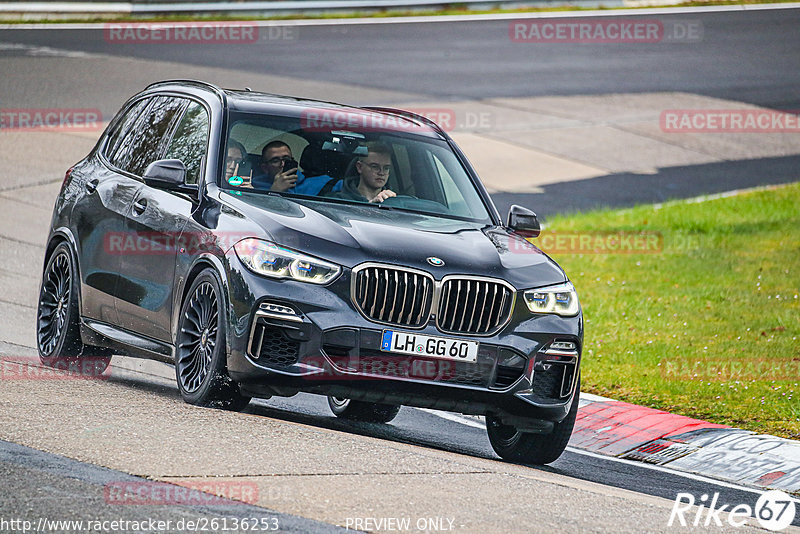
(336, 115)
(248, 101)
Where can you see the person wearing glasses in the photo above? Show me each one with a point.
(279, 168)
(372, 174)
(236, 164)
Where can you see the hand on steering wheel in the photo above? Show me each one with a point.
(383, 195)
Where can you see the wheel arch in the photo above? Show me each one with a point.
(200, 264)
(64, 236)
(58, 236)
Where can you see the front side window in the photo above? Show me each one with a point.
(407, 169)
(144, 142)
(190, 141)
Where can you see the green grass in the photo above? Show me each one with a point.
(709, 325)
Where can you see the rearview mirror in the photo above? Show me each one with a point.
(166, 173)
(524, 221)
(346, 143)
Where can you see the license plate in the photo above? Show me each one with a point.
(430, 346)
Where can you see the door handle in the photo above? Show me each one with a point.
(139, 206)
(91, 185)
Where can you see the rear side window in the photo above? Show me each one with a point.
(190, 141)
(144, 142)
(124, 126)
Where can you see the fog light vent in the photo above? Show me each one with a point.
(271, 346)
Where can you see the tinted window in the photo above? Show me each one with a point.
(124, 126)
(190, 141)
(420, 168)
(144, 143)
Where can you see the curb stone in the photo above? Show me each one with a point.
(624, 430)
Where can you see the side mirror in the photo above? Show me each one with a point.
(166, 174)
(524, 221)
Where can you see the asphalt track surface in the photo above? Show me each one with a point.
(427, 428)
(52, 486)
(744, 56)
(752, 57)
(72, 490)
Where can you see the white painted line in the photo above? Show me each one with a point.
(692, 476)
(699, 478)
(43, 51)
(594, 398)
(450, 18)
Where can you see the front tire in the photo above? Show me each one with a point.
(200, 355)
(362, 411)
(58, 336)
(521, 447)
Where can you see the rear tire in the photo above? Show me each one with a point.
(200, 349)
(521, 447)
(362, 411)
(58, 336)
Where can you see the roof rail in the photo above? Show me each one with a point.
(409, 114)
(205, 85)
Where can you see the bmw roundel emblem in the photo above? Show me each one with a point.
(436, 262)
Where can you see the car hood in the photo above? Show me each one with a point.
(349, 234)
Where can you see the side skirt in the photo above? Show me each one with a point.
(124, 342)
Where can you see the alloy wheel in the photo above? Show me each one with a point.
(199, 337)
(54, 303)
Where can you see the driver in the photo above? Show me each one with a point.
(368, 185)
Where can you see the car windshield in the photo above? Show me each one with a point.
(385, 161)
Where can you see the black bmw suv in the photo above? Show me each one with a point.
(375, 270)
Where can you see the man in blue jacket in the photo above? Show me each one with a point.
(280, 173)
(279, 169)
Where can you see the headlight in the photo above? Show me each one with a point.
(269, 259)
(561, 300)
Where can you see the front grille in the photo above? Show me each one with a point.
(473, 306)
(271, 346)
(393, 296)
(401, 297)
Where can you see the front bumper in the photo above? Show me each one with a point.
(287, 336)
